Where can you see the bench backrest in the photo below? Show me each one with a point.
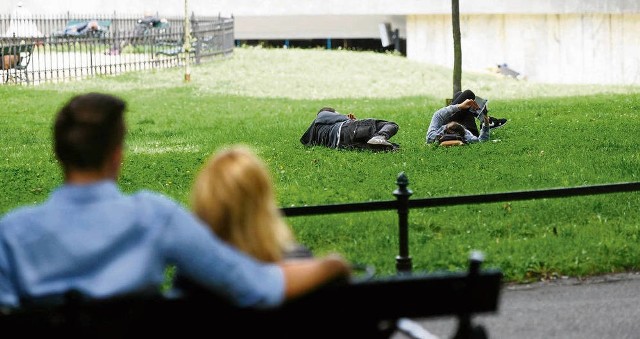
(357, 308)
(17, 55)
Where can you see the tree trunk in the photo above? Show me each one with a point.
(457, 49)
(187, 42)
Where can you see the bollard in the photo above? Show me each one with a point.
(402, 193)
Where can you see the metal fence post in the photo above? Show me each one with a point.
(402, 193)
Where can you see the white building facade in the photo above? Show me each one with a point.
(553, 41)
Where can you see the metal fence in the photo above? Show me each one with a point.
(39, 49)
(402, 204)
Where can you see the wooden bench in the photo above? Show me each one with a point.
(368, 308)
(14, 60)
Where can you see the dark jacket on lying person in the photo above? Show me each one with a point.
(324, 130)
(335, 130)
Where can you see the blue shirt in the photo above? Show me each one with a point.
(100, 242)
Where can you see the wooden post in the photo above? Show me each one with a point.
(457, 49)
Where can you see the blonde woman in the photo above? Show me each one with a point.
(233, 194)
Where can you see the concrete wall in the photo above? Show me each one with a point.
(314, 26)
(559, 41)
(555, 48)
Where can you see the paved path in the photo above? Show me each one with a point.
(595, 308)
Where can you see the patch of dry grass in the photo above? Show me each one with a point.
(324, 74)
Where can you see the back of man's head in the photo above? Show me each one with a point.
(88, 129)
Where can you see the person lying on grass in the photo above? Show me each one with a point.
(335, 130)
(459, 119)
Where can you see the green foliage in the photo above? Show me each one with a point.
(557, 136)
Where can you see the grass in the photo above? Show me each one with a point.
(557, 136)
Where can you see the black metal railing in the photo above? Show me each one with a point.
(403, 204)
(72, 47)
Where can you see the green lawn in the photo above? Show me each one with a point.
(557, 136)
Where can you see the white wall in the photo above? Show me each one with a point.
(569, 48)
(314, 27)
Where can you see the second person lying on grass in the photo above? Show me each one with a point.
(458, 121)
(332, 129)
(233, 194)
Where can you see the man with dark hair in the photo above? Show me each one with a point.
(335, 130)
(91, 238)
(468, 116)
(87, 130)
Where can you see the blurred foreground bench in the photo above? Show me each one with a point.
(368, 308)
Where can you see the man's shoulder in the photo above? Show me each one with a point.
(141, 197)
(158, 204)
(152, 197)
(19, 213)
(14, 220)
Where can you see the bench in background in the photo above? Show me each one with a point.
(14, 60)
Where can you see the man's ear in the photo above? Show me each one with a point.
(115, 161)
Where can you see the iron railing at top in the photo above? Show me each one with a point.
(73, 47)
(403, 204)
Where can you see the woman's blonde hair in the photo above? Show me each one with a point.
(233, 194)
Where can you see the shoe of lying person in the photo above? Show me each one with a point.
(379, 140)
(495, 122)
